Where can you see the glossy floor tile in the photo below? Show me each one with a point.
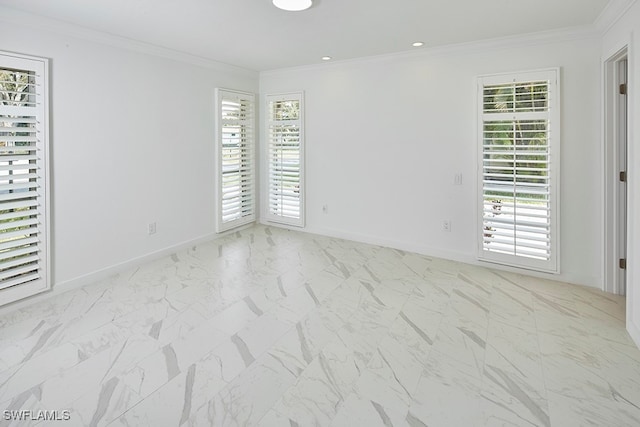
(269, 327)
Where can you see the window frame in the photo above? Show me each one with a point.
(40, 67)
(222, 95)
(268, 214)
(552, 75)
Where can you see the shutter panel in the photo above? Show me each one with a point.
(518, 178)
(236, 159)
(285, 160)
(23, 177)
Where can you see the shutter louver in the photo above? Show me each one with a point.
(23, 187)
(285, 159)
(517, 180)
(236, 162)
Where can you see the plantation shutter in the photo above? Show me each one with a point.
(518, 170)
(23, 177)
(236, 160)
(285, 159)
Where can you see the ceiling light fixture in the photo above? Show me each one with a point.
(293, 5)
(326, 58)
(417, 44)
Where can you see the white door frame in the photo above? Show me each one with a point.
(615, 140)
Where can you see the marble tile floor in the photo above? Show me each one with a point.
(269, 327)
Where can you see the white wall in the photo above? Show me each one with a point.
(132, 142)
(625, 33)
(385, 137)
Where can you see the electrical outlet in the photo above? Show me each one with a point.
(152, 228)
(446, 225)
(457, 179)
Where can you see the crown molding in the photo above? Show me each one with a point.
(613, 11)
(531, 39)
(38, 22)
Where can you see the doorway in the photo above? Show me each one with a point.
(615, 155)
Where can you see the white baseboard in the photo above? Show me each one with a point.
(98, 275)
(391, 243)
(634, 332)
(95, 276)
(430, 251)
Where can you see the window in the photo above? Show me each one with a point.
(285, 159)
(519, 138)
(235, 113)
(24, 191)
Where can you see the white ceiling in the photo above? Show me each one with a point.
(255, 35)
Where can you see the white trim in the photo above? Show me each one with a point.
(104, 273)
(429, 251)
(633, 207)
(610, 149)
(634, 333)
(517, 41)
(434, 252)
(614, 10)
(98, 275)
(13, 16)
(611, 14)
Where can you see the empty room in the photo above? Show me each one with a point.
(319, 213)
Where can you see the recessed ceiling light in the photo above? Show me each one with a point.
(293, 5)
(417, 44)
(326, 58)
